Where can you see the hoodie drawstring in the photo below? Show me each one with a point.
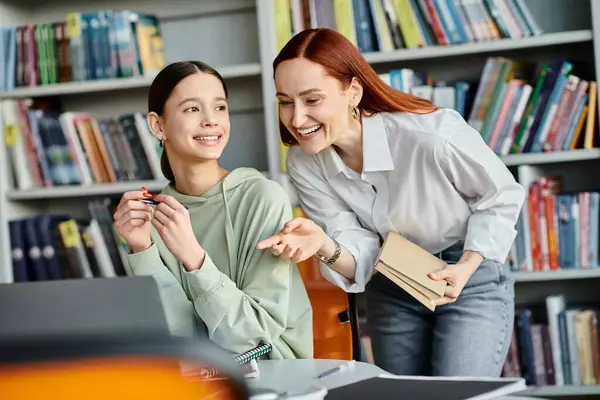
(232, 244)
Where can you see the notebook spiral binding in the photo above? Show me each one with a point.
(256, 352)
(213, 373)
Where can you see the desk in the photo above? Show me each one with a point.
(297, 375)
(283, 375)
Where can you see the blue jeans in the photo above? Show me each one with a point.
(469, 337)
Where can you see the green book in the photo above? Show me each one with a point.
(519, 142)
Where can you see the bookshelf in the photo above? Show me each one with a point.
(221, 33)
(565, 275)
(240, 38)
(435, 52)
(112, 85)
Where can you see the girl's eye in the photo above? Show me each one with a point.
(191, 109)
(221, 108)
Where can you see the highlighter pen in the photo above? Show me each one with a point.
(153, 202)
(149, 198)
(340, 367)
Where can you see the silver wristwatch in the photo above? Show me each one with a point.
(334, 257)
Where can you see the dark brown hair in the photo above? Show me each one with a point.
(342, 61)
(161, 88)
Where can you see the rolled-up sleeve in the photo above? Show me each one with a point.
(325, 208)
(493, 195)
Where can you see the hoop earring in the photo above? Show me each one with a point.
(356, 113)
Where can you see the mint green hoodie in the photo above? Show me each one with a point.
(241, 296)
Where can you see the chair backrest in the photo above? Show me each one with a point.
(116, 368)
(335, 325)
(82, 307)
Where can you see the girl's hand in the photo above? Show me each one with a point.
(132, 220)
(299, 240)
(172, 222)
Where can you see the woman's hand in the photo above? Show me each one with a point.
(457, 275)
(172, 222)
(132, 220)
(299, 239)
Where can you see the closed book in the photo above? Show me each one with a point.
(408, 266)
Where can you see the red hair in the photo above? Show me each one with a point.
(342, 61)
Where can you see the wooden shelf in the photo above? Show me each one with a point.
(102, 189)
(560, 275)
(105, 85)
(551, 157)
(491, 46)
(558, 391)
(85, 191)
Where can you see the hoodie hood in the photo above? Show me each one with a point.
(218, 196)
(230, 182)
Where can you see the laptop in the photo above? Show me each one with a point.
(82, 308)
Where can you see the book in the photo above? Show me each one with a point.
(408, 266)
(387, 386)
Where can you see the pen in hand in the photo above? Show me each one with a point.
(340, 367)
(149, 198)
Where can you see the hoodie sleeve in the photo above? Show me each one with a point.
(239, 318)
(178, 309)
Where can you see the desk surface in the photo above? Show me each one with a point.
(284, 375)
(298, 375)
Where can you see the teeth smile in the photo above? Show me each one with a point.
(308, 131)
(205, 138)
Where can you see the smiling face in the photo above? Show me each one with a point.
(313, 106)
(195, 123)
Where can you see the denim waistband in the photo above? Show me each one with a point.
(453, 253)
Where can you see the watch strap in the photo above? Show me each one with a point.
(334, 257)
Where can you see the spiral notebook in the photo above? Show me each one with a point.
(255, 353)
(247, 360)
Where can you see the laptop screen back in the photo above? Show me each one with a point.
(81, 307)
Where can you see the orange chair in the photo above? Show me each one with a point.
(335, 320)
(335, 323)
(111, 368)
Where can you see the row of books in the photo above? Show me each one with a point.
(47, 147)
(84, 46)
(557, 344)
(457, 95)
(385, 25)
(53, 246)
(556, 229)
(518, 114)
(514, 111)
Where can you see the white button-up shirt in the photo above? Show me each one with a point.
(431, 178)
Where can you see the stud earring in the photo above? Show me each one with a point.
(356, 113)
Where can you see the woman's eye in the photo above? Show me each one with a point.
(312, 101)
(284, 102)
(191, 109)
(221, 108)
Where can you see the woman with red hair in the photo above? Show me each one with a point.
(367, 159)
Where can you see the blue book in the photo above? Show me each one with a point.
(594, 221)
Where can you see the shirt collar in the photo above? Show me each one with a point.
(376, 150)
